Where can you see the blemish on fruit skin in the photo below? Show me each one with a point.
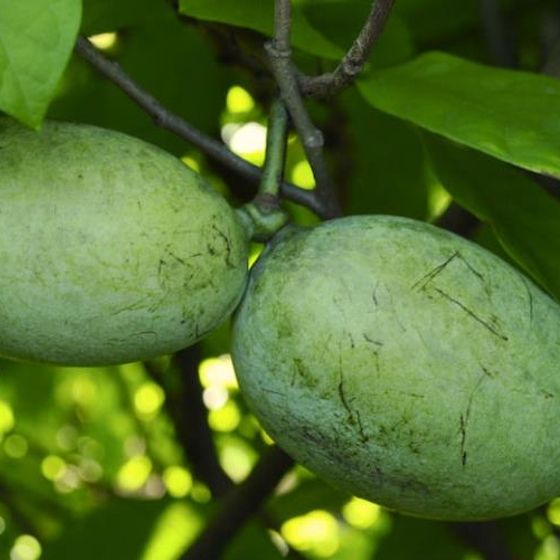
(445, 380)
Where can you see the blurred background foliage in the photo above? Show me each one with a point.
(91, 460)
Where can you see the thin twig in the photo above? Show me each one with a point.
(353, 62)
(273, 170)
(279, 53)
(172, 122)
(239, 505)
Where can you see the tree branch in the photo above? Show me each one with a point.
(172, 122)
(279, 53)
(353, 62)
(239, 505)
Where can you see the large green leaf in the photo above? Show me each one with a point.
(507, 114)
(388, 163)
(259, 16)
(121, 529)
(36, 41)
(525, 218)
(418, 539)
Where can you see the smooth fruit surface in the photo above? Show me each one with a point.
(112, 250)
(405, 365)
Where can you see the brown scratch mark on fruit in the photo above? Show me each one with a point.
(470, 267)
(342, 396)
(227, 244)
(354, 418)
(464, 418)
(374, 294)
(423, 282)
(488, 372)
(472, 314)
(529, 297)
(362, 434)
(377, 345)
(427, 278)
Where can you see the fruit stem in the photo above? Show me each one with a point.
(264, 216)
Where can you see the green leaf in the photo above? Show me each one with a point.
(417, 538)
(253, 541)
(507, 114)
(259, 16)
(101, 16)
(388, 163)
(121, 529)
(36, 41)
(525, 218)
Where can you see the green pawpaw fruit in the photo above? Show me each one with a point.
(405, 365)
(111, 249)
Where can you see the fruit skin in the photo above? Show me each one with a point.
(112, 250)
(405, 365)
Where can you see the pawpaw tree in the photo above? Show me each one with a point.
(279, 279)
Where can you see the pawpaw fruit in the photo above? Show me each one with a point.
(405, 365)
(112, 250)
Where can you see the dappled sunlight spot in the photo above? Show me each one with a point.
(133, 372)
(16, 446)
(553, 511)
(237, 458)
(154, 487)
(134, 474)
(173, 532)
(279, 542)
(90, 470)
(288, 483)
(67, 437)
(84, 391)
(53, 467)
(265, 437)
(316, 532)
(255, 253)
(69, 481)
(361, 513)
(26, 547)
(215, 397)
(89, 447)
(239, 100)
(148, 399)
(247, 141)
(540, 527)
(226, 418)
(104, 41)
(7, 420)
(302, 175)
(218, 372)
(134, 445)
(549, 549)
(200, 493)
(439, 200)
(178, 481)
(2, 525)
(191, 163)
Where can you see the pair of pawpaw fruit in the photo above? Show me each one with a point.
(398, 361)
